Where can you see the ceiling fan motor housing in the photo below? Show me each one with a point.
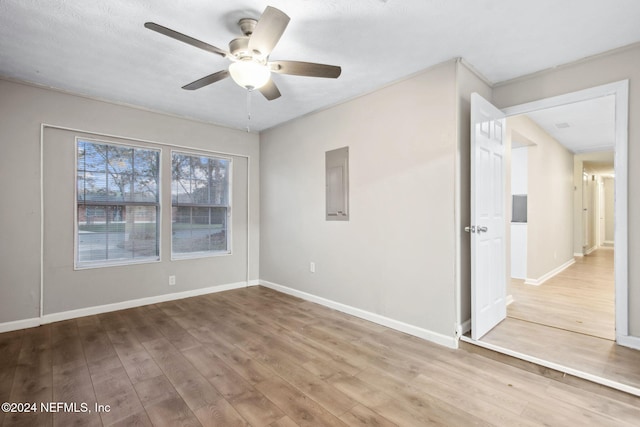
(239, 48)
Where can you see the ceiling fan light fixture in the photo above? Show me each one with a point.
(249, 74)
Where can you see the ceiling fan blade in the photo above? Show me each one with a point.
(184, 38)
(207, 80)
(270, 90)
(268, 31)
(309, 69)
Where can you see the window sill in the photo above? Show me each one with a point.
(197, 255)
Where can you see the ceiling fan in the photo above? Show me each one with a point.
(249, 55)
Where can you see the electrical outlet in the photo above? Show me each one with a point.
(172, 280)
(312, 267)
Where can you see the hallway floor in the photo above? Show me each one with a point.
(569, 321)
(578, 299)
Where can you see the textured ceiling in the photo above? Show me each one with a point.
(101, 49)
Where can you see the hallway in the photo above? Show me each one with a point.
(568, 322)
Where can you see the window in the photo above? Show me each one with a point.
(117, 204)
(200, 210)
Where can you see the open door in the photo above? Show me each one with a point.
(488, 226)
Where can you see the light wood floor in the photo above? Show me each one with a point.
(258, 357)
(569, 320)
(579, 299)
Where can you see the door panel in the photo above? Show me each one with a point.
(488, 251)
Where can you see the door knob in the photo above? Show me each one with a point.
(471, 229)
(482, 229)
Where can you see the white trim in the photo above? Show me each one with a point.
(509, 300)
(588, 251)
(88, 311)
(621, 258)
(578, 254)
(556, 366)
(540, 280)
(609, 243)
(448, 341)
(19, 324)
(41, 311)
(98, 309)
(629, 341)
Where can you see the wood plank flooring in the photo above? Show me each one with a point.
(586, 353)
(569, 321)
(578, 299)
(257, 357)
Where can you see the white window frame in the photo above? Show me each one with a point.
(205, 254)
(77, 265)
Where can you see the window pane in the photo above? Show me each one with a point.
(145, 189)
(115, 233)
(113, 173)
(200, 180)
(200, 199)
(199, 229)
(117, 228)
(92, 236)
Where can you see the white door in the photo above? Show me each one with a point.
(488, 223)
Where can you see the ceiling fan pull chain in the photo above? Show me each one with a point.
(248, 110)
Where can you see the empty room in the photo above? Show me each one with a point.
(286, 213)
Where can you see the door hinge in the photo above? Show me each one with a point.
(470, 229)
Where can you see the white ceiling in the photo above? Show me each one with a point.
(581, 127)
(101, 49)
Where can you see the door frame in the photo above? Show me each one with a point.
(620, 90)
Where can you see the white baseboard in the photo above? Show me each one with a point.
(509, 300)
(588, 251)
(19, 324)
(540, 280)
(448, 341)
(89, 311)
(628, 341)
(578, 254)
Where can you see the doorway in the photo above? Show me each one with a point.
(619, 91)
(560, 275)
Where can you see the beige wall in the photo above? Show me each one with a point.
(396, 256)
(549, 201)
(615, 66)
(22, 110)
